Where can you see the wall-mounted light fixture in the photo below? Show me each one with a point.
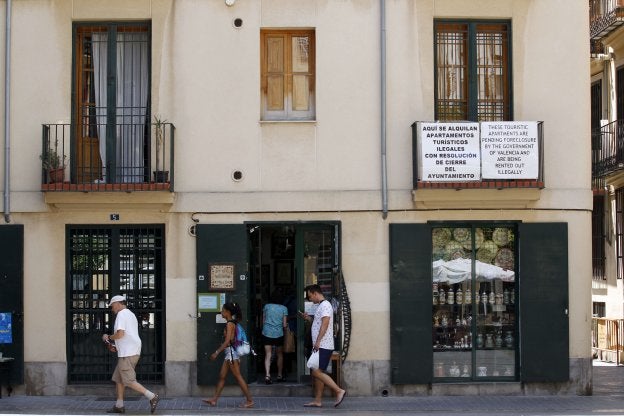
(230, 2)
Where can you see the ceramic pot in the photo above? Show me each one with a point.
(509, 340)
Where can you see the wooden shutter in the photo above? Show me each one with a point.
(275, 72)
(411, 353)
(287, 73)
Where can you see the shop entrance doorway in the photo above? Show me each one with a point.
(284, 259)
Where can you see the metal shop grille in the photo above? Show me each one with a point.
(103, 262)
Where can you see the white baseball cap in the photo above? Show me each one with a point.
(117, 298)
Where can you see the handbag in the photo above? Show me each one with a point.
(243, 349)
(289, 341)
(313, 361)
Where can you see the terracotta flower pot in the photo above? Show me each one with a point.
(56, 175)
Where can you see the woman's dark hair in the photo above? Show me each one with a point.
(276, 297)
(234, 309)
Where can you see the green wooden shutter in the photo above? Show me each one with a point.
(12, 295)
(220, 244)
(411, 352)
(543, 297)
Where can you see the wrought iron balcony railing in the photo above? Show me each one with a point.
(607, 151)
(604, 17)
(97, 158)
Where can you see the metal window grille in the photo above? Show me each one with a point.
(491, 45)
(596, 104)
(103, 262)
(472, 71)
(452, 68)
(599, 309)
(598, 239)
(619, 232)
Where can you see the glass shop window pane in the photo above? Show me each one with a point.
(473, 298)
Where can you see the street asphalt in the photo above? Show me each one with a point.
(608, 399)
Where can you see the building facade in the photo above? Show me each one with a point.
(607, 111)
(409, 156)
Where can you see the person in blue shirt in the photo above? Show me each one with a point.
(274, 321)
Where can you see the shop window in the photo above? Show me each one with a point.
(474, 302)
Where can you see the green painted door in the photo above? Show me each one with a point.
(544, 326)
(12, 298)
(410, 304)
(222, 275)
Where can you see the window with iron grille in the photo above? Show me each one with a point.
(472, 70)
(598, 239)
(103, 262)
(619, 232)
(599, 309)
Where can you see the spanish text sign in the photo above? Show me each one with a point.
(509, 150)
(450, 152)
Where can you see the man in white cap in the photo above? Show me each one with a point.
(128, 343)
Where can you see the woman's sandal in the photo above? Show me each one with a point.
(211, 402)
(246, 405)
(267, 380)
(279, 379)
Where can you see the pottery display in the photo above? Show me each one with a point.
(509, 339)
(450, 297)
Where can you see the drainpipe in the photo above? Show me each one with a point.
(7, 112)
(384, 168)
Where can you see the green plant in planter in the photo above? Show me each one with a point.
(159, 125)
(52, 160)
(54, 164)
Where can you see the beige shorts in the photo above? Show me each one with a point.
(124, 371)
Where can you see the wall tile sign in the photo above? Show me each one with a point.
(221, 277)
(6, 331)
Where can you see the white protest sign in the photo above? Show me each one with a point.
(509, 150)
(449, 152)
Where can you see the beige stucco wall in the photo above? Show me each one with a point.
(205, 80)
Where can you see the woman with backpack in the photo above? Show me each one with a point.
(230, 312)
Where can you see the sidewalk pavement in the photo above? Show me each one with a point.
(608, 399)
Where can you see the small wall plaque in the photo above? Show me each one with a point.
(221, 277)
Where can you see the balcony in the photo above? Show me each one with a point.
(607, 144)
(133, 157)
(605, 16)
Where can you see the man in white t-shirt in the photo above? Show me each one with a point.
(323, 342)
(128, 345)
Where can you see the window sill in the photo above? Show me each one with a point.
(287, 122)
(479, 195)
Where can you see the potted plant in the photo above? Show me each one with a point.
(54, 164)
(160, 175)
